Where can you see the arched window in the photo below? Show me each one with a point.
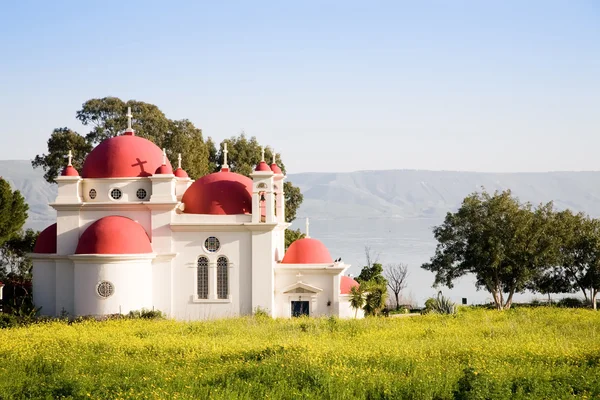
(203, 278)
(222, 277)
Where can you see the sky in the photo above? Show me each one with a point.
(331, 85)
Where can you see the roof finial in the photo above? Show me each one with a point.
(129, 130)
(274, 157)
(307, 225)
(225, 151)
(164, 156)
(179, 161)
(262, 149)
(70, 159)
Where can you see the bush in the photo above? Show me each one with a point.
(440, 305)
(145, 314)
(8, 321)
(571, 302)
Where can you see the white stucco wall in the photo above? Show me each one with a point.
(44, 286)
(317, 302)
(132, 280)
(346, 311)
(189, 246)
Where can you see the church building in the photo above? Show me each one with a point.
(133, 233)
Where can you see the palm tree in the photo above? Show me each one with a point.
(356, 299)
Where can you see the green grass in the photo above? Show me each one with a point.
(545, 353)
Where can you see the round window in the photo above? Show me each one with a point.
(105, 289)
(116, 194)
(92, 194)
(212, 244)
(141, 194)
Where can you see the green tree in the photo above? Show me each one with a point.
(14, 262)
(13, 212)
(357, 299)
(503, 243)
(578, 266)
(14, 243)
(106, 118)
(375, 297)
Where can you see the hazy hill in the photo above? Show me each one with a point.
(391, 211)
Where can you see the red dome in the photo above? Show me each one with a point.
(220, 193)
(275, 168)
(263, 167)
(164, 170)
(69, 171)
(124, 156)
(347, 283)
(114, 235)
(46, 241)
(180, 173)
(307, 251)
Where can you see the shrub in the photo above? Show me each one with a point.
(571, 302)
(440, 305)
(8, 321)
(146, 314)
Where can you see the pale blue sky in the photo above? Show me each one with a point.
(333, 85)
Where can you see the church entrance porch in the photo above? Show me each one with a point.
(299, 308)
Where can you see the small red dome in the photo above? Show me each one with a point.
(124, 156)
(220, 193)
(180, 173)
(275, 168)
(263, 167)
(347, 283)
(69, 171)
(46, 241)
(164, 170)
(307, 251)
(114, 235)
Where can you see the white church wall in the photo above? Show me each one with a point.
(44, 286)
(162, 284)
(189, 246)
(263, 279)
(64, 287)
(128, 186)
(320, 304)
(131, 279)
(67, 231)
(346, 311)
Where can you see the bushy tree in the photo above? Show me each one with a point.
(13, 212)
(503, 243)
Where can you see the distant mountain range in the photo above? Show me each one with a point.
(392, 211)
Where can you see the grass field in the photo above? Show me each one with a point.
(545, 353)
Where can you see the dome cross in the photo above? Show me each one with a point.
(164, 156)
(129, 116)
(307, 226)
(179, 160)
(225, 151)
(262, 149)
(70, 155)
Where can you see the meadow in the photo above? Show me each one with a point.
(540, 353)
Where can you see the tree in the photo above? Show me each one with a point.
(396, 279)
(107, 118)
(375, 297)
(578, 266)
(13, 212)
(373, 271)
(14, 262)
(503, 243)
(357, 299)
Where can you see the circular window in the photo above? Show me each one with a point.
(116, 194)
(212, 244)
(105, 289)
(92, 194)
(141, 194)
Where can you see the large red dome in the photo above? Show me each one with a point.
(114, 235)
(46, 241)
(307, 251)
(220, 193)
(124, 156)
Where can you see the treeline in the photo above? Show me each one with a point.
(511, 247)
